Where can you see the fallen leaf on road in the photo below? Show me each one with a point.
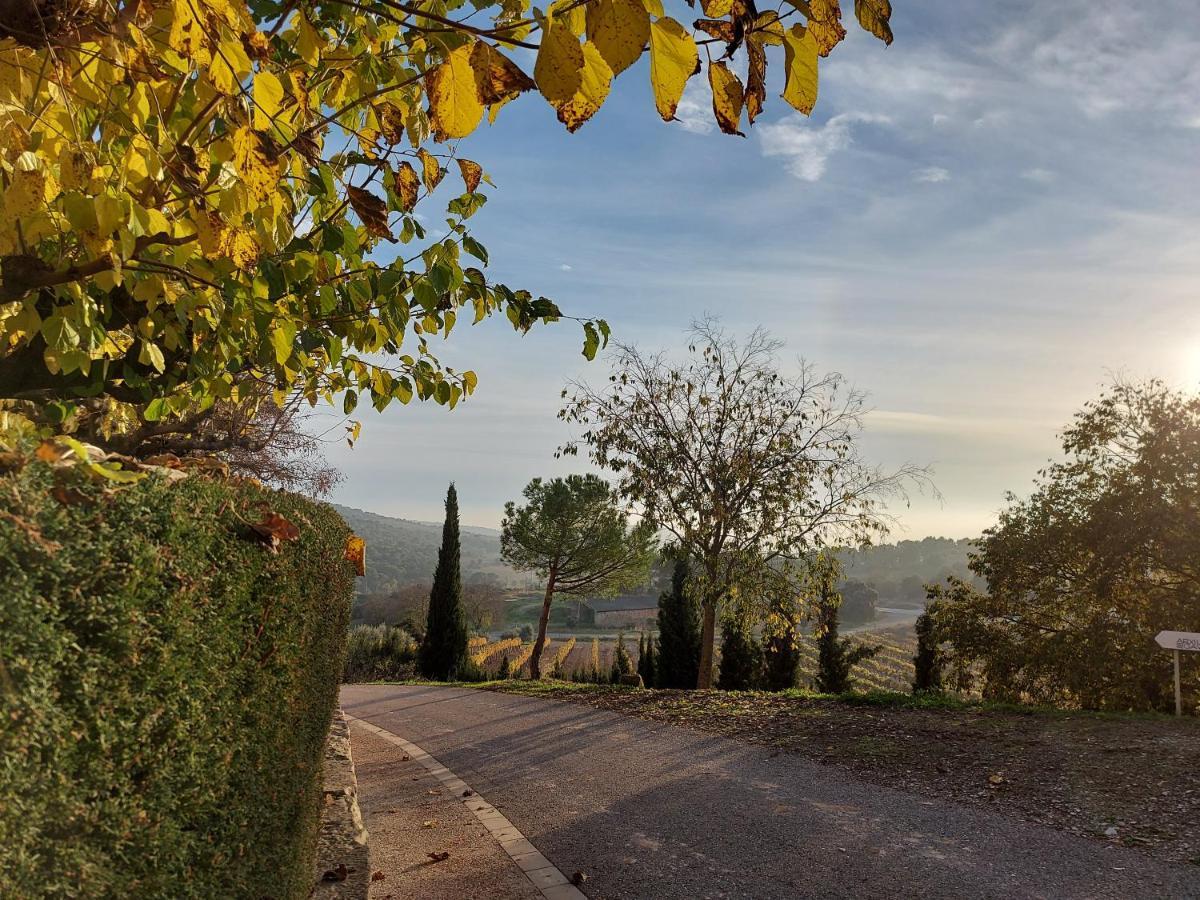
(338, 874)
(377, 876)
(429, 823)
(439, 855)
(468, 793)
(434, 791)
(578, 878)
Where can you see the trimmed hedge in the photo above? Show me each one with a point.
(166, 685)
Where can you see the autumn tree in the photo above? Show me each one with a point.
(742, 465)
(1101, 556)
(443, 652)
(203, 195)
(574, 533)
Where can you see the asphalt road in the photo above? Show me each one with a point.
(654, 811)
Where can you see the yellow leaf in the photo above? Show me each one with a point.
(268, 97)
(472, 173)
(620, 30)
(188, 36)
(229, 67)
(575, 18)
(454, 107)
(26, 194)
(407, 185)
(559, 67)
(308, 42)
(257, 172)
(825, 24)
(768, 29)
(716, 9)
(371, 210)
(800, 55)
(728, 97)
(210, 232)
(655, 8)
(873, 15)
(431, 171)
(241, 247)
(596, 77)
(497, 78)
(673, 60)
(756, 78)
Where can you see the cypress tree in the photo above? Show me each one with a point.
(641, 663)
(928, 660)
(678, 661)
(622, 664)
(835, 656)
(741, 658)
(781, 659)
(444, 650)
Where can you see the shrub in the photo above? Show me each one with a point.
(379, 653)
(167, 684)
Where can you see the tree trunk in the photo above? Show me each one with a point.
(707, 636)
(535, 661)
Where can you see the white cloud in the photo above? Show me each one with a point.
(932, 175)
(1109, 58)
(808, 147)
(694, 112)
(563, 267)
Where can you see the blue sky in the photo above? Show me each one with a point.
(978, 226)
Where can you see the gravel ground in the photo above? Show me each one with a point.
(650, 810)
(406, 822)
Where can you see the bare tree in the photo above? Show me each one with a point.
(254, 436)
(740, 464)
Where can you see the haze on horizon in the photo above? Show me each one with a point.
(979, 227)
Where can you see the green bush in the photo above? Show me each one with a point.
(379, 653)
(167, 683)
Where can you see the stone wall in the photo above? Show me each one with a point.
(343, 869)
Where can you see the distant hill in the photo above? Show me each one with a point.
(401, 551)
(899, 571)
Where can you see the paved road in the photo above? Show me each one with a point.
(654, 811)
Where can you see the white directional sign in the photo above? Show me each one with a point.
(1178, 640)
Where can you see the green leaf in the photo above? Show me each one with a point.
(151, 354)
(155, 409)
(283, 336)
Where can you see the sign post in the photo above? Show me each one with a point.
(1176, 641)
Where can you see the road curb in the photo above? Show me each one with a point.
(542, 874)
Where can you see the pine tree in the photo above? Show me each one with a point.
(505, 668)
(678, 661)
(836, 656)
(928, 660)
(741, 658)
(444, 649)
(641, 663)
